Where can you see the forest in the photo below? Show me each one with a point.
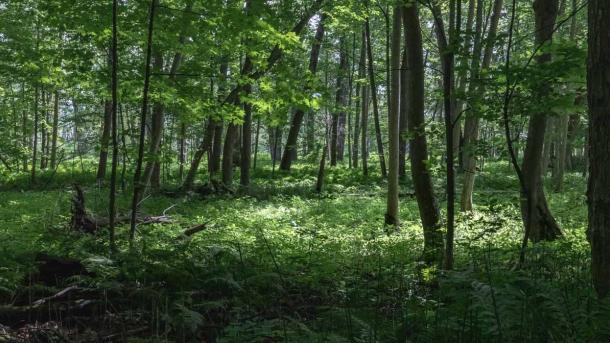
(304, 171)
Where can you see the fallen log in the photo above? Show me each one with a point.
(82, 221)
(195, 229)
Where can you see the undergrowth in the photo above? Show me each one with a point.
(280, 262)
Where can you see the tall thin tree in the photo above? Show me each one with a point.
(373, 90)
(115, 142)
(391, 215)
(138, 187)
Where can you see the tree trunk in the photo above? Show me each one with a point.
(471, 125)
(536, 214)
(547, 148)
(115, 142)
(35, 143)
(43, 131)
(402, 138)
(563, 125)
(217, 124)
(102, 162)
(320, 178)
(297, 119)
(182, 150)
(559, 163)
(463, 81)
(424, 191)
(338, 120)
(204, 147)
(138, 185)
(373, 89)
(392, 215)
(124, 154)
(151, 171)
(233, 133)
(365, 129)
(54, 130)
(447, 64)
(246, 146)
(359, 100)
(599, 149)
(227, 154)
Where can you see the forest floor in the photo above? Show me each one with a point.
(283, 263)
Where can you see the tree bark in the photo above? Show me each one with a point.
(424, 191)
(598, 81)
(536, 214)
(227, 154)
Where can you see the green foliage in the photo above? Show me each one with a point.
(284, 263)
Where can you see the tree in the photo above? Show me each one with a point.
(447, 57)
(105, 138)
(115, 141)
(35, 143)
(391, 216)
(217, 127)
(299, 114)
(598, 82)
(373, 90)
(536, 215)
(338, 119)
(402, 138)
(424, 192)
(55, 125)
(246, 145)
(364, 118)
(359, 99)
(471, 125)
(562, 125)
(138, 185)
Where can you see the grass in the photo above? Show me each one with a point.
(282, 263)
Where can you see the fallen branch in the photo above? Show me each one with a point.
(195, 229)
(55, 296)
